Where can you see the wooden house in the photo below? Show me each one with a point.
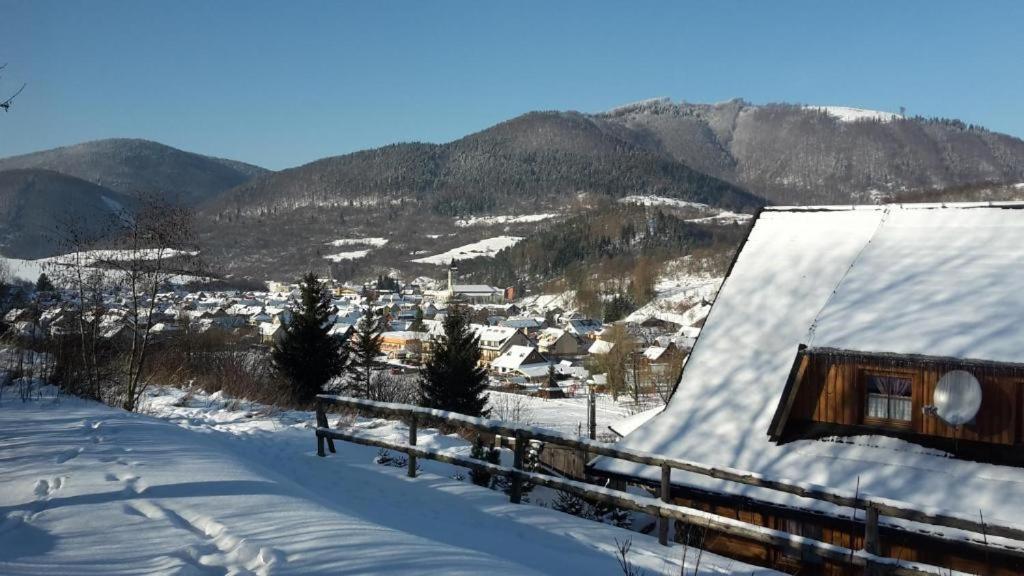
(874, 350)
(496, 340)
(558, 343)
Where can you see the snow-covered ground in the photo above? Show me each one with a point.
(714, 215)
(487, 247)
(565, 415)
(374, 241)
(351, 255)
(23, 270)
(650, 200)
(29, 270)
(491, 220)
(848, 114)
(679, 298)
(206, 486)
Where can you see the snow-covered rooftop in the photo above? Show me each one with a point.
(852, 268)
(935, 282)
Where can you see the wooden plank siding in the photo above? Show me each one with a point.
(832, 392)
(848, 534)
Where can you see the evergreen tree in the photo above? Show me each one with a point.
(307, 355)
(549, 319)
(452, 380)
(417, 323)
(488, 454)
(43, 284)
(365, 348)
(571, 503)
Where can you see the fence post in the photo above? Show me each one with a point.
(320, 417)
(871, 545)
(591, 413)
(321, 422)
(516, 494)
(666, 495)
(412, 442)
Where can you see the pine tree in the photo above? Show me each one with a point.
(43, 284)
(571, 503)
(452, 380)
(364, 349)
(488, 454)
(307, 355)
(417, 323)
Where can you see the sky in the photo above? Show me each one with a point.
(284, 83)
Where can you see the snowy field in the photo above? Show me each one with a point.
(29, 270)
(491, 220)
(487, 247)
(565, 415)
(351, 255)
(715, 216)
(678, 298)
(848, 114)
(650, 200)
(375, 242)
(201, 485)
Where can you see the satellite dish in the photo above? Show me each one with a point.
(957, 397)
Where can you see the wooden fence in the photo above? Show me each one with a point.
(869, 558)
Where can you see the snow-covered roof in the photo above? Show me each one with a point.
(404, 335)
(784, 277)
(626, 426)
(936, 282)
(497, 334)
(549, 336)
(514, 357)
(600, 347)
(654, 352)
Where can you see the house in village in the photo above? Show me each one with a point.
(584, 328)
(496, 340)
(403, 344)
(558, 343)
(522, 361)
(875, 350)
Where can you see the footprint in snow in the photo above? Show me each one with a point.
(67, 455)
(44, 488)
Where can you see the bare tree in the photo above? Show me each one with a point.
(6, 103)
(115, 291)
(615, 363)
(155, 245)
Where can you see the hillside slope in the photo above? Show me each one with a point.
(535, 161)
(795, 154)
(93, 490)
(132, 166)
(37, 205)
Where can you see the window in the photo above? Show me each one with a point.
(888, 398)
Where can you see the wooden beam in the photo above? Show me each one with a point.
(666, 496)
(412, 442)
(834, 496)
(789, 394)
(654, 507)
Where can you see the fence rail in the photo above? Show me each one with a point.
(869, 558)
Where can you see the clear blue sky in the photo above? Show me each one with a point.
(283, 83)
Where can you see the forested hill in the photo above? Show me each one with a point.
(132, 166)
(536, 161)
(794, 154)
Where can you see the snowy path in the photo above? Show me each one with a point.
(92, 490)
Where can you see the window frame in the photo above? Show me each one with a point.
(867, 420)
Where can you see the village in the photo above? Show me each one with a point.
(536, 345)
(511, 288)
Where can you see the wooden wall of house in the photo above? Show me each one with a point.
(848, 534)
(833, 392)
